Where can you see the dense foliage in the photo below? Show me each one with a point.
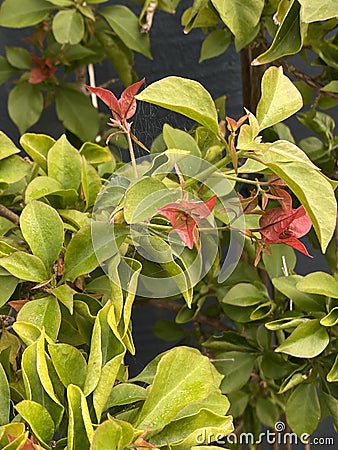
(206, 224)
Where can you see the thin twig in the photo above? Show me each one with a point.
(275, 445)
(10, 215)
(132, 154)
(81, 78)
(310, 81)
(287, 443)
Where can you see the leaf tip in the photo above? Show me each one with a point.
(256, 62)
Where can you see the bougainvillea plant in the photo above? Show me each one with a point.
(84, 238)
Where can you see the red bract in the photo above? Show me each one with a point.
(184, 216)
(123, 108)
(43, 69)
(233, 124)
(285, 226)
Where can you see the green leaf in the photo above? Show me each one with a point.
(80, 257)
(43, 312)
(7, 147)
(125, 24)
(332, 86)
(244, 294)
(65, 294)
(62, 2)
(5, 397)
(112, 434)
(37, 147)
(33, 386)
(201, 428)
(165, 398)
(125, 394)
(64, 164)
(25, 105)
(69, 101)
(332, 376)
(288, 39)
(137, 206)
(332, 406)
(13, 169)
(200, 15)
(274, 264)
(43, 370)
(274, 365)
(215, 402)
(187, 97)
(95, 154)
(68, 27)
(43, 186)
(6, 70)
(5, 226)
(179, 139)
(303, 409)
(241, 18)
(19, 58)
(15, 14)
(215, 44)
(38, 418)
(80, 428)
(319, 283)
(107, 379)
(229, 340)
(280, 98)
(28, 332)
(69, 364)
(304, 302)
(118, 54)
(75, 217)
(267, 411)
(42, 229)
(91, 183)
(316, 11)
(167, 330)
(308, 340)
(285, 323)
(263, 310)
(8, 285)
(236, 368)
(12, 343)
(331, 319)
(25, 266)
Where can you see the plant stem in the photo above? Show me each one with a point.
(242, 180)
(287, 443)
(10, 215)
(206, 172)
(132, 154)
(81, 77)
